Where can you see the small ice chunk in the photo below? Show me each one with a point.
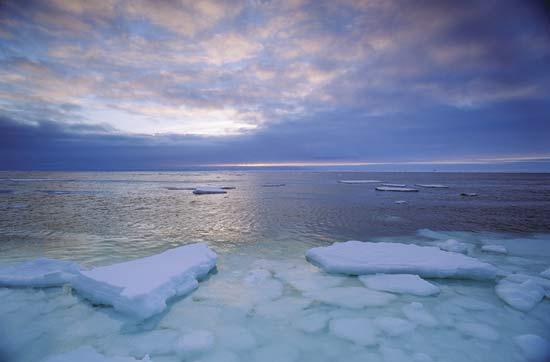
(357, 330)
(204, 190)
(42, 272)
(417, 313)
(478, 330)
(399, 202)
(282, 308)
(396, 189)
(273, 185)
(400, 283)
(359, 181)
(89, 354)
(433, 186)
(357, 258)
(276, 352)
(312, 323)
(141, 287)
(394, 326)
(351, 297)
(394, 185)
(545, 273)
(497, 249)
(196, 342)
(533, 347)
(454, 246)
(522, 296)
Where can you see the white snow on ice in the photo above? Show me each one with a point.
(400, 283)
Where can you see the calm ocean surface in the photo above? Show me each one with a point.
(98, 217)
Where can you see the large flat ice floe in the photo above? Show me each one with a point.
(400, 283)
(396, 189)
(40, 272)
(359, 181)
(358, 258)
(205, 190)
(141, 287)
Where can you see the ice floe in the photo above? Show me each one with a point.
(433, 186)
(357, 330)
(204, 190)
(194, 343)
(533, 347)
(468, 194)
(40, 272)
(400, 283)
(141, 287)
(396, 189)
(273, 185)
(359, 181)
(400, 202)
(394, 185)
(454, 246)
(545, 273)
(497, 249)
(478, 330)
(394, 326)
(351, 297)
(89, 354)
(357, 258)
(416, 313)
(520, 295)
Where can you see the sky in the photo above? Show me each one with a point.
(134, 84)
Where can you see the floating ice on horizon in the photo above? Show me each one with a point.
(396, 189)
(533, 347)
(497, 249)
(523, 296)
(394, 185)
(89, 354)
(453, 246)
(358, 258)
(273, 185)
(351, 182)
(400, 202)
(351, 297)
(141, 287)
(400, 283)
(42, 272)
(204, 190)
(433, 186)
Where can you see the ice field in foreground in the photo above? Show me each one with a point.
(267, 303)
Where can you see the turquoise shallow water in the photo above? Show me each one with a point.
(102, 218)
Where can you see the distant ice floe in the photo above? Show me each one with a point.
(400, 202)
(468, 194)
(138, 287)
(204, 190)
(359, 181)
(454, 246)
(433, 186)
(273, 185)
(89, 354)
(396, 189)
(394, 185)
(400, 283)
(492, 248)
(358, 258)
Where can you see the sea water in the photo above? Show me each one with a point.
(258, 305)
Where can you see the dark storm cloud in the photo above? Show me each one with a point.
(140, 84)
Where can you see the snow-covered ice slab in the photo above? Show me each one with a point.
(358, 258)
(453, 245)
(396, 189)
(497, 249)
(40, 272)
(359, 181)
(400, 283)
(141, 287)
(394, 185)
(89, 354)
(204, 190)
(433, 186)
(351, 297)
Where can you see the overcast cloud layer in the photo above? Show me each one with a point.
(166, 84)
